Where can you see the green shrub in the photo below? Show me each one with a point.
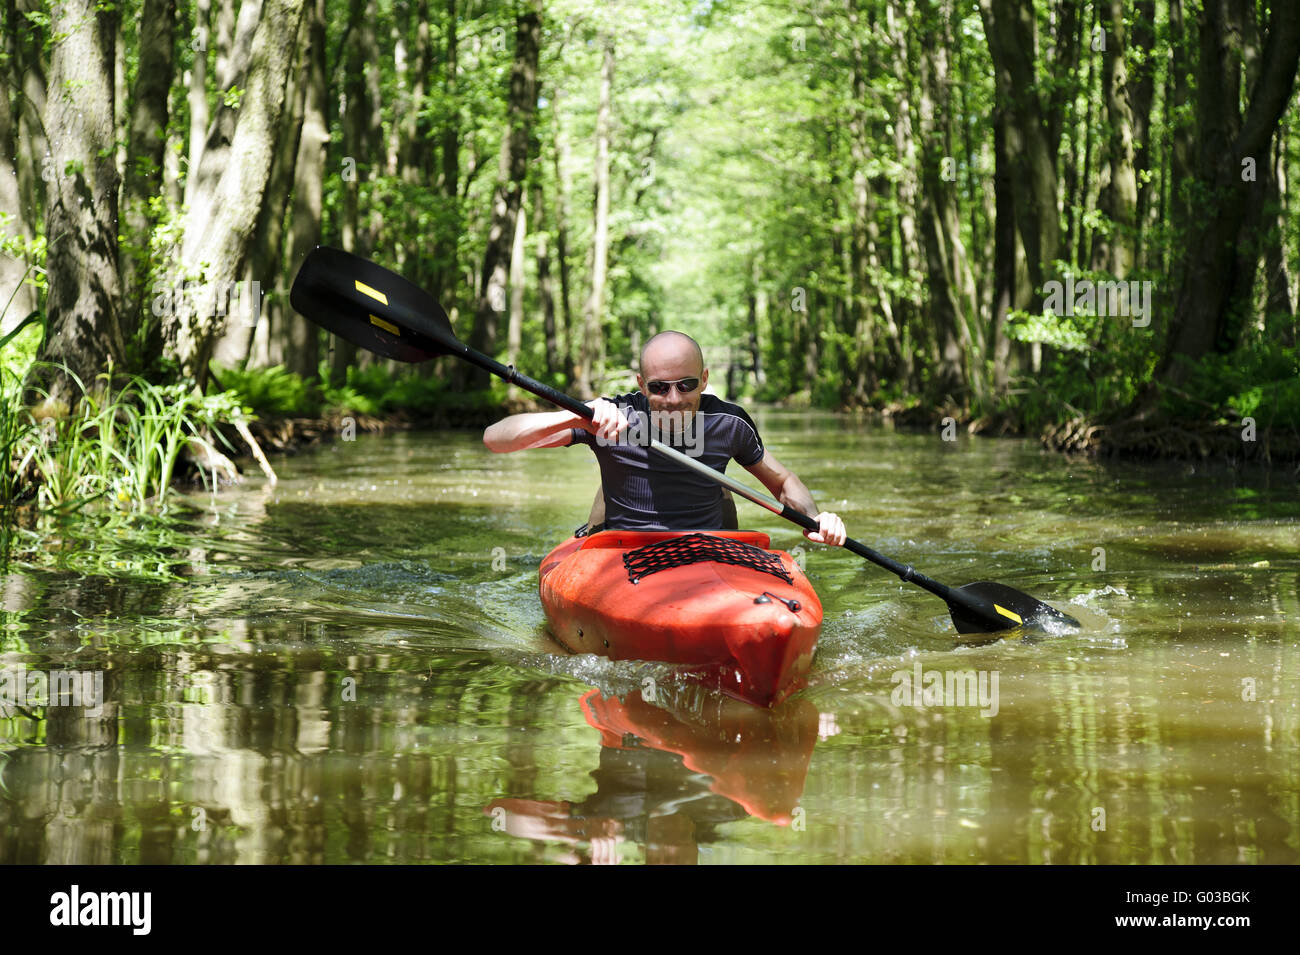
(271, 391)
(1260, 381)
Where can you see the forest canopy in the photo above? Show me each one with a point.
(1063, 218)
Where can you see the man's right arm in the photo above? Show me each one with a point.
(545, 429)
(551, 429)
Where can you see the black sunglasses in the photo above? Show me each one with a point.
(684, 385)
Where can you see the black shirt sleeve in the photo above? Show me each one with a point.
(747, 448)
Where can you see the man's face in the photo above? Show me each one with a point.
(672, 361)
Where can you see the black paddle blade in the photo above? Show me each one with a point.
(1012, 608)
(370, 306)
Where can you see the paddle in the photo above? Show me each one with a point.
(383, 312)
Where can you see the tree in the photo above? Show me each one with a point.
(1232, 171)
(84, 300)
(509, 192)
(223, 211)
(591, 344)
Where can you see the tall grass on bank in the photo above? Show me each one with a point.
(121, 443)
(16, 434)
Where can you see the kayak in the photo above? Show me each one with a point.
(721, 602)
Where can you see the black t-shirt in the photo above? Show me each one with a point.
(646, 491)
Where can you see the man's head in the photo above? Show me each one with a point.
(673, 357)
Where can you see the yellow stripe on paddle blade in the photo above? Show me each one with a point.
(386, 326)
(374, 293)
(1009, 614)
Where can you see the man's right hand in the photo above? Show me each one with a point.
(607, 420)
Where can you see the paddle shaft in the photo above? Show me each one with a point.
(383, 312)
(904, 572)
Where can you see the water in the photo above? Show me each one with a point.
(353, 667)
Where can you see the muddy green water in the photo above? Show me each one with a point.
(353, 667)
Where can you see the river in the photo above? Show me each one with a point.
(353, 667)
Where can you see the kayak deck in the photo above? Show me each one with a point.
(750, 625)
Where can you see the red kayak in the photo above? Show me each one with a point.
(722, 601)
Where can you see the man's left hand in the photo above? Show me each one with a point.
(830, 530)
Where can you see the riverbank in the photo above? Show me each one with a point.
(1156, 438)
(1232, 444)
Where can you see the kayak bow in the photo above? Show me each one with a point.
(719, 601)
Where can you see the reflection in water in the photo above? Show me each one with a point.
(352, 667)
(670, 772)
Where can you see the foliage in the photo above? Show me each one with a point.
(1261, 382)
(16, 428)
(121, 443)
(756, 150)
(270, 391)
(372, 390)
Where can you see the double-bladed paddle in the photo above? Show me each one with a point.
(378, 310)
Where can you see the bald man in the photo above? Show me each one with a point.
(643, 490)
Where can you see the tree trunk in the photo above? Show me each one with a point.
(197, 96)
(1278, 307)
(268, 341)
(1141, 95)
(1181, 127)
(1065, 65)
(943, 253)
(27, 40)
(17, 291)
(143, 179)
(1073, 183)
(308, 178)
(509, 191)
(414, 130)
(233, 60)
(546, 295)
(560, 159)
(755, 352)
(897, 13)
(1082, 249)
(366, 37)
(1116, 253)
(1009, 26)
(592, 343)
(1004, 256)
(515, 330)
(861, 308)
(447, 282)
(353, 123)
(1214, 295)
(83, 302)
(219, 224)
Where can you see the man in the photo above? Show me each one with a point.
(643, 490)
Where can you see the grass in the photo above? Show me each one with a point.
(121, 442)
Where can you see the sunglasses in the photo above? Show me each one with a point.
(684, 386)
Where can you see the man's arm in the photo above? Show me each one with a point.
(551, 429)
(786, 487)
(541, 429)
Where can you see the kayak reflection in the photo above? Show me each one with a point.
(670, 772)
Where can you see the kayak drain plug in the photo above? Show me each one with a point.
(766, 597)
